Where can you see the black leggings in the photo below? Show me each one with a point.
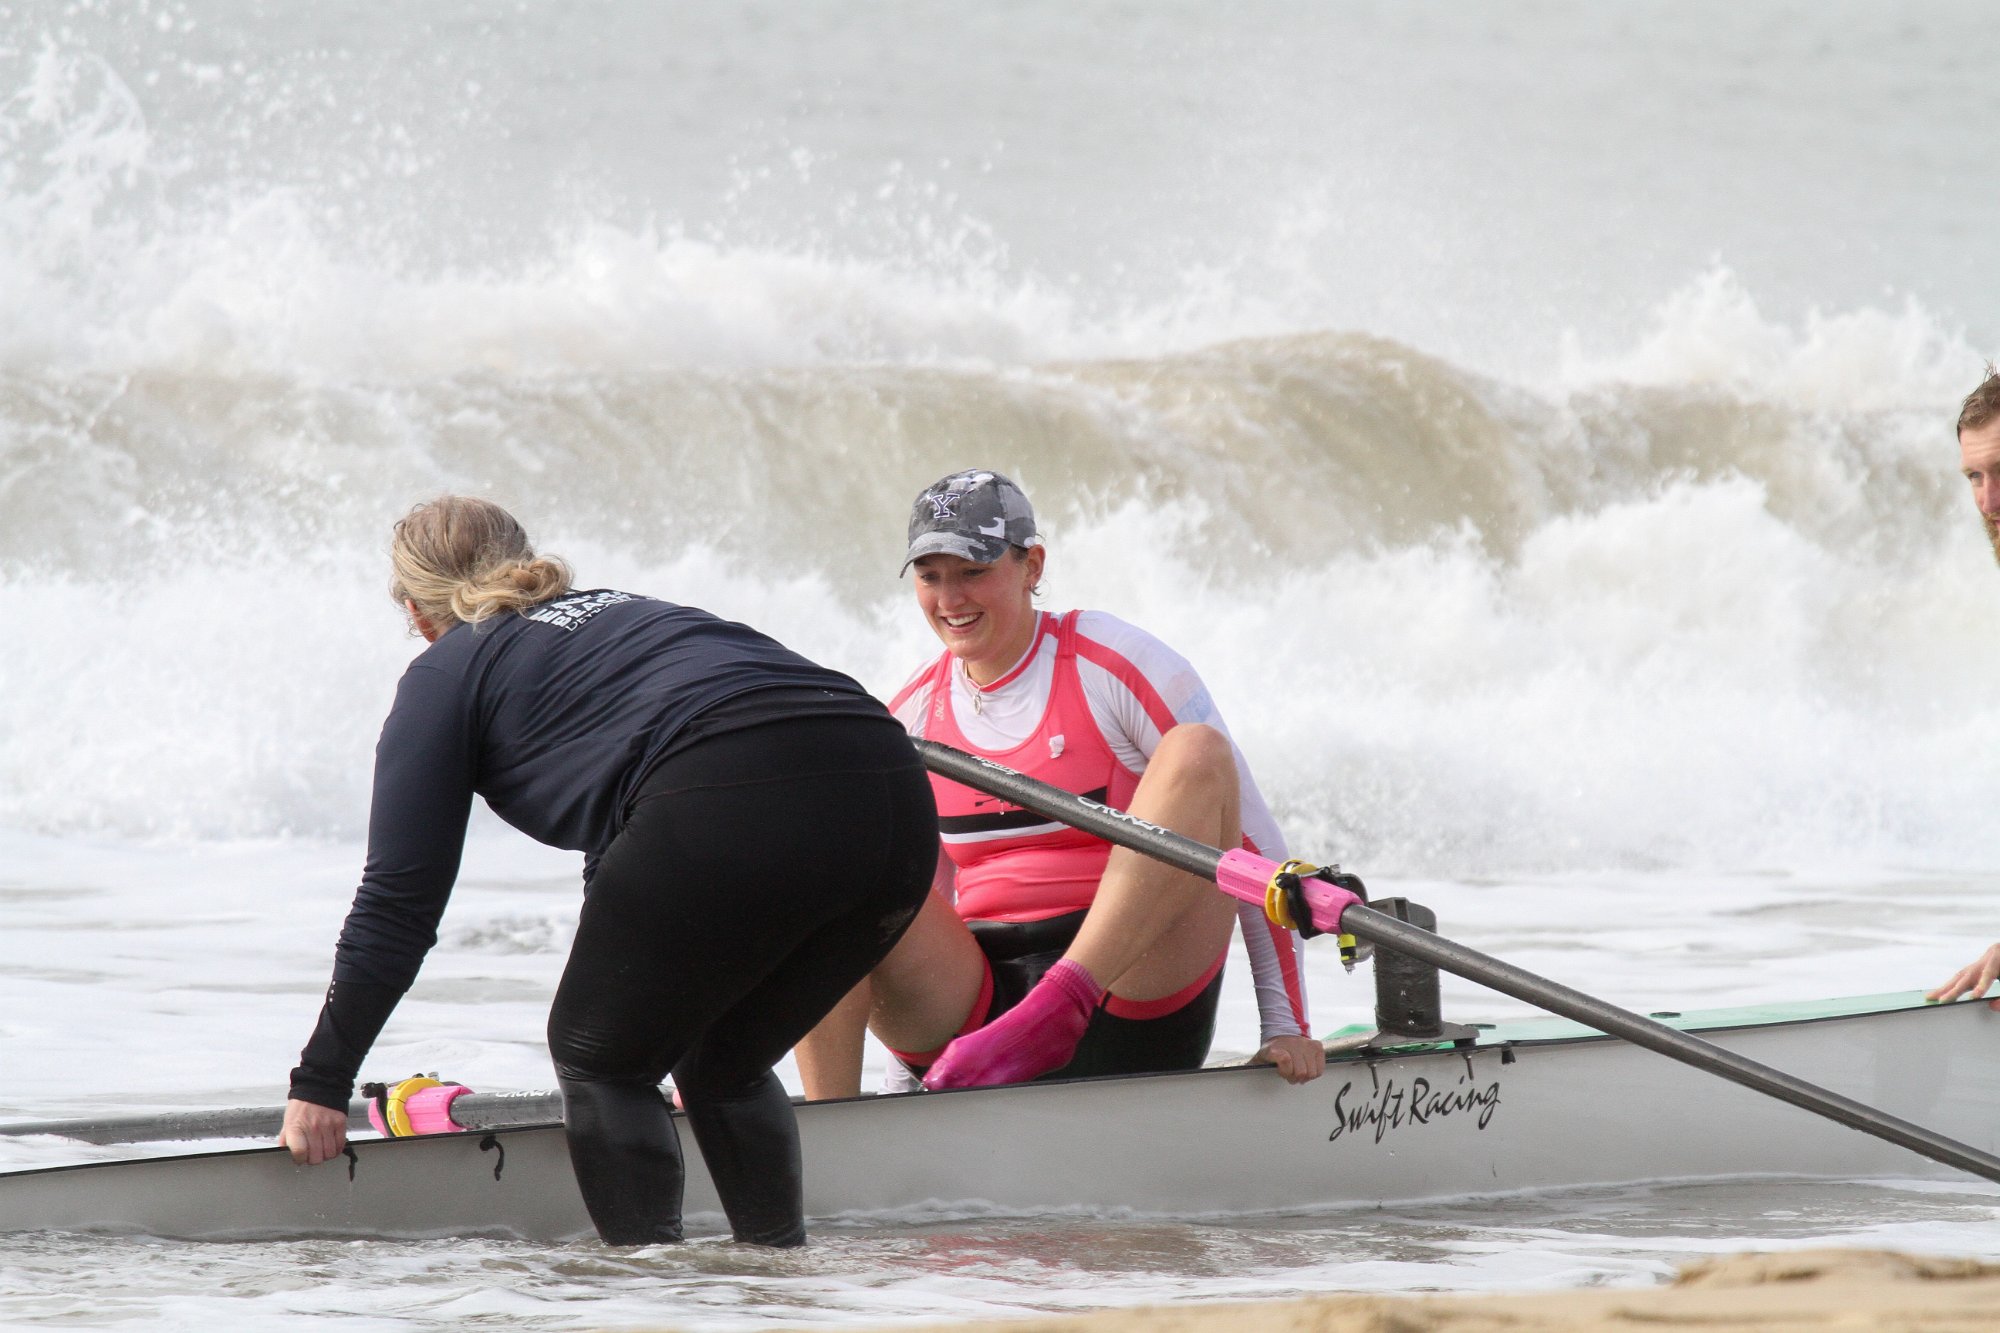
(759, 876)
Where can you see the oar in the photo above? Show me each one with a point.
(472, 1110)
(1335, 910)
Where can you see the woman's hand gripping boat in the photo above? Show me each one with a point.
(1417, 1109)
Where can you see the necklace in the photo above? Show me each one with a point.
(978, 691)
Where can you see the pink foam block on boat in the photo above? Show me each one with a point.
(430, 1110)
(1247, 875)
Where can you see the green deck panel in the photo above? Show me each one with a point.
(1693, 1020)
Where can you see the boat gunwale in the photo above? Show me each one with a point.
(1491, 1039)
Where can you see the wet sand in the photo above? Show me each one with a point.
(1805, 1289)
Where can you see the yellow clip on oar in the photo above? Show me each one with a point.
(1283, 892)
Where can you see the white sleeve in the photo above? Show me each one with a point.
(1138, 688)
(910, 703)
(911, 707)
(898, 1078)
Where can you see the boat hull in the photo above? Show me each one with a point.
(1531, 1107)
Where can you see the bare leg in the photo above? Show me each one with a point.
(1151, 930)
(916, 1000)
(829, 1057)
(925, 988)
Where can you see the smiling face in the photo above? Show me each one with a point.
(983, 613)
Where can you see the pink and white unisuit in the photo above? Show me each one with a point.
(1084, 710)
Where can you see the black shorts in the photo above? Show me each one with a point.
(1145, 1038)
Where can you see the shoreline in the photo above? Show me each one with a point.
(1740, 1293)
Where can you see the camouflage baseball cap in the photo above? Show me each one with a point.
(976, 515)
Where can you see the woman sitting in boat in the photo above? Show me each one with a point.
(1043, 951)
(702, 768)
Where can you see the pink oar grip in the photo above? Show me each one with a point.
(1247, 875)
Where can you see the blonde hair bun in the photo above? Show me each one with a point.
(461, 560)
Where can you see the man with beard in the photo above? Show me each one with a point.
(1979, 451)
(1979, 458)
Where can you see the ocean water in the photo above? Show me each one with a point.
(1533, 419)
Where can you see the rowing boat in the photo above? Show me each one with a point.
(1529, 1106)
(1416, 1109)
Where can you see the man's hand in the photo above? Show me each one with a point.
(1299, 1059)
(1974, 979)
(313, 1132)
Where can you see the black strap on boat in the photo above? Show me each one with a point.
(1296, 904)
(491, 1143)
(1385, 931)
(1293, 887)
(353, 1160)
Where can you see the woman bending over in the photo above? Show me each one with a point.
(697, 764)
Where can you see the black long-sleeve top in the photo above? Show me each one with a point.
(553, 715)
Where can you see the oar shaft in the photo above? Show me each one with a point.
(243, 1122)
(473, 1110)
(1377, 928)
(1080, 812)
(1389, 933)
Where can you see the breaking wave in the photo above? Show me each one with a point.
(1709, 598)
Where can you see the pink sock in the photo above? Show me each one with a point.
(1036, 1035)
